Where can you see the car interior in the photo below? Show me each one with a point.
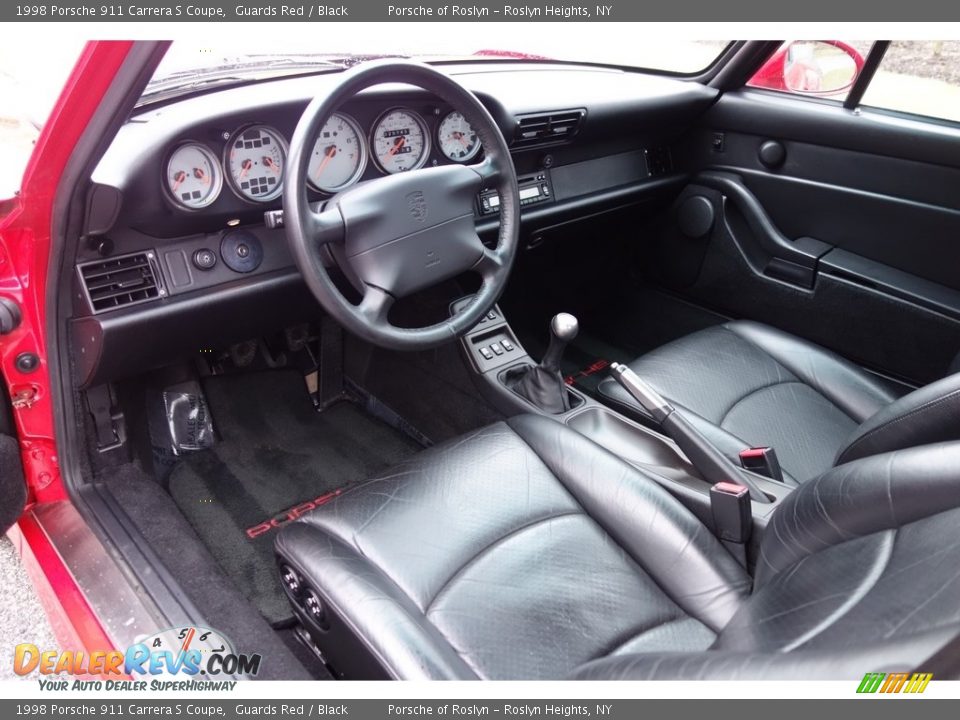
(523, 369)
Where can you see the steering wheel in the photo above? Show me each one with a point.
(402, 233)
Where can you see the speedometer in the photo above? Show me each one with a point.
(457, 139)
(193, 178)
(400, 141)
(255, 158)
(339, 155)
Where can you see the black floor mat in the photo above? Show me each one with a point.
(275, 453)
(430, 389)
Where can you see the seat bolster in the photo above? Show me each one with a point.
(877, 493)
(852, 389)
(681, 555)
(375, 628)
(850, 663)
(928, 415)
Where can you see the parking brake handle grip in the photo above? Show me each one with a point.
(712, 464)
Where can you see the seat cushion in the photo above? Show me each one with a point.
(520, 551)
(527, 551)
(744, 384)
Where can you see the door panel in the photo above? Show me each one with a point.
(852, 241)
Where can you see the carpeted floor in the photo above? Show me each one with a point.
(275, 452)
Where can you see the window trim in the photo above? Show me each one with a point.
(870, 67)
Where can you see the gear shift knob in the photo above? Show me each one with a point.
(563, 329)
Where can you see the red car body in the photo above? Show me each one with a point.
(26, 232)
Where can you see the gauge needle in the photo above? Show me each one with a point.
(245, 167)
(188, 640)
(200, 175)
(178, 179)
(271, 164)
(327, 157)
(397, 144)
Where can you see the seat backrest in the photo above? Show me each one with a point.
(859, 571)
(869, 552)
(929, 414)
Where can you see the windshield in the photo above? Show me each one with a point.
(185, 60)
(32, 72)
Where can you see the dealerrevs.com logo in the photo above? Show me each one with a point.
(889, 683)
(202, 658)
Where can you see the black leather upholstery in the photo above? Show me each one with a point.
(526, 551)
(927, 415)
(744, 384)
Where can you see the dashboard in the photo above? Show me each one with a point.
(175, 245)
(253, 157)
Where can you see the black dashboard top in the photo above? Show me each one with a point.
(621, 110)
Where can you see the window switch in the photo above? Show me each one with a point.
(507, 345)
(485, 351)
(491, 315)
(497, 349)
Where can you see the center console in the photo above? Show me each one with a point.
(496, 356)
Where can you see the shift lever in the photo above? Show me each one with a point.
(563, 330)
(710, 462)
(543, 384)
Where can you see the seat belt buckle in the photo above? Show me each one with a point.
(732, 515)
(762, 461)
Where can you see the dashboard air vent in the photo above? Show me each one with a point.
(121, 281)
(544, 128)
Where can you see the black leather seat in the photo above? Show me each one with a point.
(525, 551)
(744, 384)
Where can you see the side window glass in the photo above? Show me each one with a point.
(918, 77)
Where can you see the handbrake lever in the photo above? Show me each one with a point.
(710, 462)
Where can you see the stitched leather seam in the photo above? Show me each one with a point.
(842, 611)
(723, 418)
(487, 548)
(895, 420)
(817, 387)
(637, 633)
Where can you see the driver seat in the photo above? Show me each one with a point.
(526, 551)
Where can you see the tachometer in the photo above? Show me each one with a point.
(339, 155)
(457, 138)
(400, 141)
(193, 176)
(254, 159)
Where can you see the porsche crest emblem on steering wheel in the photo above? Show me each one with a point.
(417, 204)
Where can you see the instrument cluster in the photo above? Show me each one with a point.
(254, 156)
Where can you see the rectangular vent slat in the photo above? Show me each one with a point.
(122, 281)
(546, 128)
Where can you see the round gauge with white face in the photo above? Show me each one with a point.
(254, 160)
(457, 138)
(400, 141)
(193, 177)
(339, 155)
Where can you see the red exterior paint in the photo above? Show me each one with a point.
(72, 619)
(25, 232)
(24, 254)
(771, 75)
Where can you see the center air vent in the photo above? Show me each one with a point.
(121, 281)
(544, 128)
